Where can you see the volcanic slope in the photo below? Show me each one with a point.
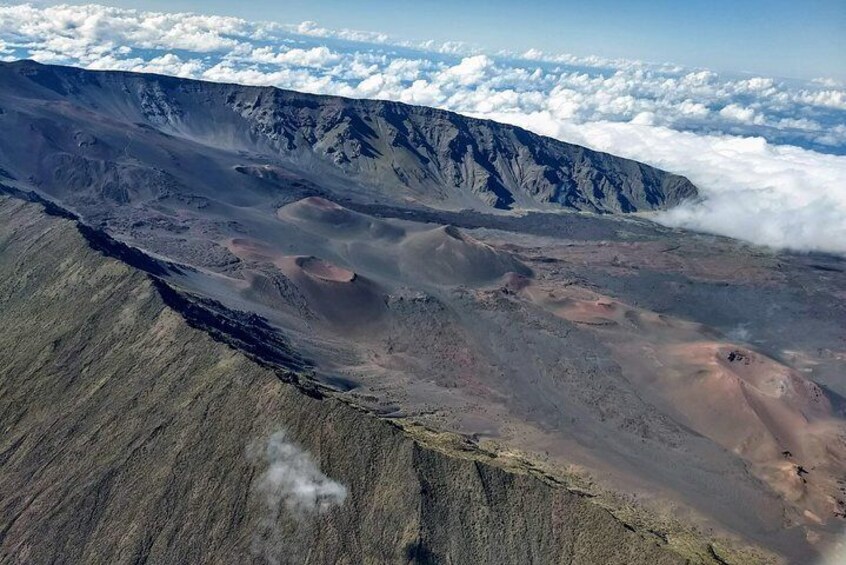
(126, 435)
(700, 376)
(126, 138)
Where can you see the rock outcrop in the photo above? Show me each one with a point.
(396, 151)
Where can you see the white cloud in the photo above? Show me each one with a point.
(166, 64)
(470, 71)
(826, 98)
(312, 29)
(314, 57)
(74, 30)
(828, 82)
(694, 109)
(533, 55)
(741, 114)
(618, 90)
(732, 136)
(644, 119)
(777, 196)
(293, 479)
(293, 487)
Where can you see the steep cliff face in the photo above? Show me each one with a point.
(128, 433)
(396, 151)
(430, 152)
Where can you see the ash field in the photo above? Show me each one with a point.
(462, 278)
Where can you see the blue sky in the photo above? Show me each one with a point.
(783, 38)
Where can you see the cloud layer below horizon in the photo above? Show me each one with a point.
(768, 154)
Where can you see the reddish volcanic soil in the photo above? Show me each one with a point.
(510, 339)
(768, 414)
(323, 270)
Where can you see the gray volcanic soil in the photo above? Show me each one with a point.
(126, 434)
(703, 376)
(127, 138)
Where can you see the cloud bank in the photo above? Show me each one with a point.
(767, 153)
(293, 491)
(772, 195)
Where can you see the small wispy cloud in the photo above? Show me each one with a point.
(293, 491)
